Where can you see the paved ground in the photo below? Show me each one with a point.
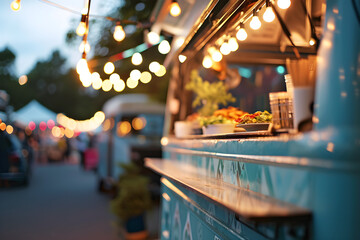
(61, 202)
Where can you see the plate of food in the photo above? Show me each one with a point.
(258, 121)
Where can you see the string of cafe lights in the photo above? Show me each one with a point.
(93, 79)
(229, 43)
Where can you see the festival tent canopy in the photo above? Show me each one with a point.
(34, 112)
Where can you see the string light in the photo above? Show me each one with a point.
(84, 47)
(269, 14)
(255, 21)
(23, 79)
(225, 48)
(182, 58)
(114, 78)
(161, 72)
(145, 77)
(81, 29)
(284, 4)
(131, 83)
(97, 83)
(241, 35)
(207, 62)
(215, 55)
(175, 9)
(164, 47)
(233, 44)
(106, 85)
(119, 33)
(82, 66)
(136, 59)
(135, 74)
(312, 42)
(109, 68)
(153, 38)
(154, 67)
(119, 86)
(15, 5)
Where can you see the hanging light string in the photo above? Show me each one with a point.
(122, 21)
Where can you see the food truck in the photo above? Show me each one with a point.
(131, 131)
(297, 178)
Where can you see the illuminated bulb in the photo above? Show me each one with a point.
(161, 72)
(85, 77)
(86, 82)
(225, 48)
(109, 68)
(15, 5)
(81, 29)
(114, 78)
(135, 74)
(255, 22)
(136, 59)
(312, 42)
(119, 86)
(216, 56)
(145, 77)
(164, 47)
(182, 58)
(269, 14)
(233, 44)
(23, 79)
(207, 62)
(154, 67)
(94, 76)
(82, 66)
(106, 85)
(84, 47)
(175, 9)
(119, 33)
(97, 83)
(131, 83)
(241, 35)
(153, 38)
(283, 4)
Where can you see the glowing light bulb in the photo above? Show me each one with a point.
(136, 59)
(97, 83)
(119, 33)
(255, 22)
(312, 42)
(182, 58)
(216, 56)
(135, 74)
(15, 5)
(131, 83)
(233, 44)
(145, 77)
(106, 85)
(94, 76)
(119, 86)
(175, 9)
(241, 35)
(283, 4)
(269, 15)
(114, 78)
(109, 68)
(84, 47)
(161, 72)
(153, 38)
(154, 67)
(164, 47)
(225, 48)
(23, 79)
(82, 66)
(207, 62)
(81, 29)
